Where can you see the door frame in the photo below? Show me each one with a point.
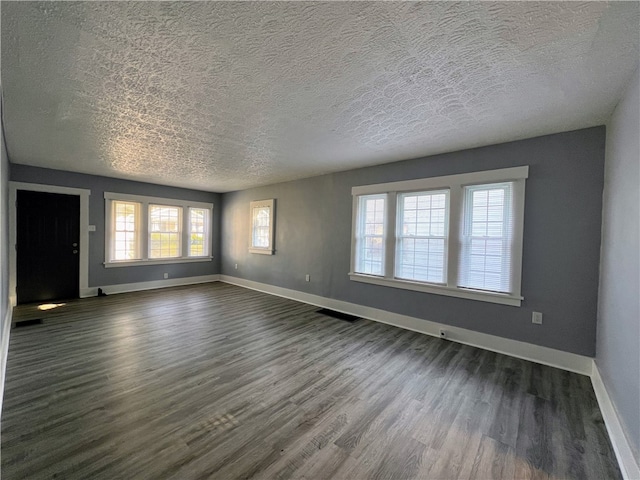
(84, 231)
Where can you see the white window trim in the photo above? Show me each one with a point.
(455, 184)
(145, 201)
(269, 250)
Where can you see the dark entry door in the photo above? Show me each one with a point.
(48, 245)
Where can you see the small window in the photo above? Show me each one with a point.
(370, 235)
(126, 230)
(198, 232)
(422, 236)
(165, 230)
(262, 214)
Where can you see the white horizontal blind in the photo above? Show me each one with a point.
(421, 236)
(370, 234)
(487, 240)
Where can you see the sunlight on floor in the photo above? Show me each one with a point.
(50, 306)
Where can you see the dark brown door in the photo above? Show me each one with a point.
(48, 246)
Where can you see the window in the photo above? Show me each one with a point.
(164, 231)
(126, 228)
(422, 236)
(485, 260)
(199, 232)
(261, 214)
(459, 235)
(146, 230)
(370, 236)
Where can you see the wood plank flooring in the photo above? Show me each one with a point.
(216, 381)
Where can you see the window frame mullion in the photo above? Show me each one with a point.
(145, 230)
(186, 231)
(390, 240)
(455, 233)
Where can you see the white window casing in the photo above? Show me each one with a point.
(162, 231)
(460, 250)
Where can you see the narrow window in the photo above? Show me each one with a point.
(262, 214)
(421, 236)
(165, 231)
(487, 241)
(198, 232)
(126, 230)
(370, 235)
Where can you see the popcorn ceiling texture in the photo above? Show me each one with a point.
(225, 96)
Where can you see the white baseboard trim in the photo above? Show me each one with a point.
(4, 349)
(151, 285)
(628, 465)
(527, 351)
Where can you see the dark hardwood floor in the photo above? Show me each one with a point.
(216, 381)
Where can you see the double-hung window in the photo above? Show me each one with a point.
(143, 230)
(370, 234)
(262, 222)
(125, 227)
(458, 235)
(421, 236)
(165, 233)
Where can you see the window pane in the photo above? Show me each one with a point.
(370, 235)
(421, 236)
(260, 237)
(485, 262)
(198, 232)
(125, 232)
(165, 231)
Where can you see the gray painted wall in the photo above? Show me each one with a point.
(98, 275)
(561, 246)
(618, 347)
(4, 232)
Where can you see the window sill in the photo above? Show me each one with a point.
(163, 261)
(503, 299)
(262, 251)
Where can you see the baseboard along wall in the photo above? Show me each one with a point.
(150, 285)
(621, 446)
(526, 351)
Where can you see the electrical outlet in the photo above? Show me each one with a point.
(307, 278)
(536, 318)
(166, 275)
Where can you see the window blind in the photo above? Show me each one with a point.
(487, 240)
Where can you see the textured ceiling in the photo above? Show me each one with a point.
(224, 96)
